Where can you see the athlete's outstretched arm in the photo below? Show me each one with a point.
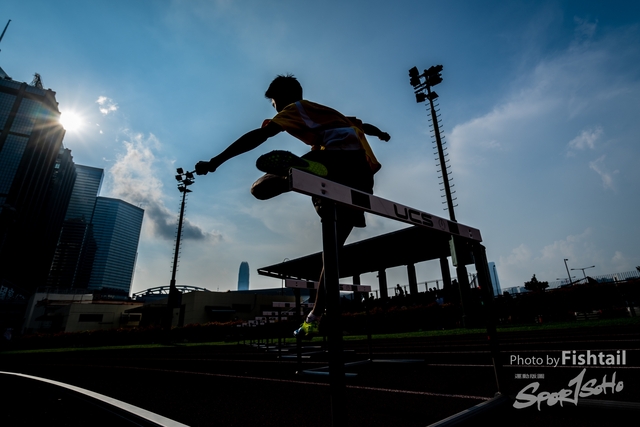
(246, 142)
(370, 129)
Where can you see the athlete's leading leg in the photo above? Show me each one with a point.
(310, 325)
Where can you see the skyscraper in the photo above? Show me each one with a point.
(495, 281)
(98, 244)
(116, 229)
(75, 252)
(35, 181)
(243, 276)
(85, 191)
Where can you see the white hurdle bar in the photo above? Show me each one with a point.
(313, 185)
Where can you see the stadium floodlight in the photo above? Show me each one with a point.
(433, 75)
(414, 78)
(185, 179)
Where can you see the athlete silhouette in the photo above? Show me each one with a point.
(339, 151)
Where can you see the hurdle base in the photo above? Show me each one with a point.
(462, 417)
(324, 373)
(324, 370)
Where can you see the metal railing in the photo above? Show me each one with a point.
(437, 284)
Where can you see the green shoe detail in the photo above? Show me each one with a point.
(279, 162)
(307, 330)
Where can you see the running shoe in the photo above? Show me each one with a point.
(269, 186)
(307, 330)
(279, 162)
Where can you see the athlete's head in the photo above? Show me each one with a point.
(284, 90)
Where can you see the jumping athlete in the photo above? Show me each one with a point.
(339, 151)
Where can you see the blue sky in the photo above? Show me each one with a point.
(539, 106)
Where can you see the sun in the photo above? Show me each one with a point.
(71, 121)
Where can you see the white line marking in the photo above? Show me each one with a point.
(142, 413)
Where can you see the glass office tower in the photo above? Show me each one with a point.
(243, 276)
(34, 176)
(495, 281)
(75, 252)
(116, 229)
(85, 191)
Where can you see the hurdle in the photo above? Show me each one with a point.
(332, 194)
(304, 284)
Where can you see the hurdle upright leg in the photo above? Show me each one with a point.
(299, 338)
(331, 287)
(484, 279)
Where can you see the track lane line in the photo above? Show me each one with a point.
(142, 413)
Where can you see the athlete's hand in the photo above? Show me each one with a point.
(202, 168)
(384, 136)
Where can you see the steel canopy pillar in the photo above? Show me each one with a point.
(413, 280)
(382, 281)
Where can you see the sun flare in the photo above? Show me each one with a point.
(71, 121)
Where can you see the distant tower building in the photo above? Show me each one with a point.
(73, 259)
(35, 182)
(85, 191)
(116, 229)
(243, 276)
(98, 245)
(495, 281)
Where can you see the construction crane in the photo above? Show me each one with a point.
(5, 30)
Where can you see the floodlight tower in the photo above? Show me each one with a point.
(185, 179)
(423, 92)
(460, 254)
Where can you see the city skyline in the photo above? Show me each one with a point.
(97, 248)
(537, 105)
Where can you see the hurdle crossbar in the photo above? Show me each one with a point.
(313, 185)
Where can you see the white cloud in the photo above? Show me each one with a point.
(586, 139)
(548, 263)
(518, 256)
(106, 105)
(133, 179)
(619, 260)
(599, 167)
(588, 80)
(502, 129)
(291, 218)
(584, 30)
(566, 248)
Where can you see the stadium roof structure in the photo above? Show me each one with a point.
(407, 246)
